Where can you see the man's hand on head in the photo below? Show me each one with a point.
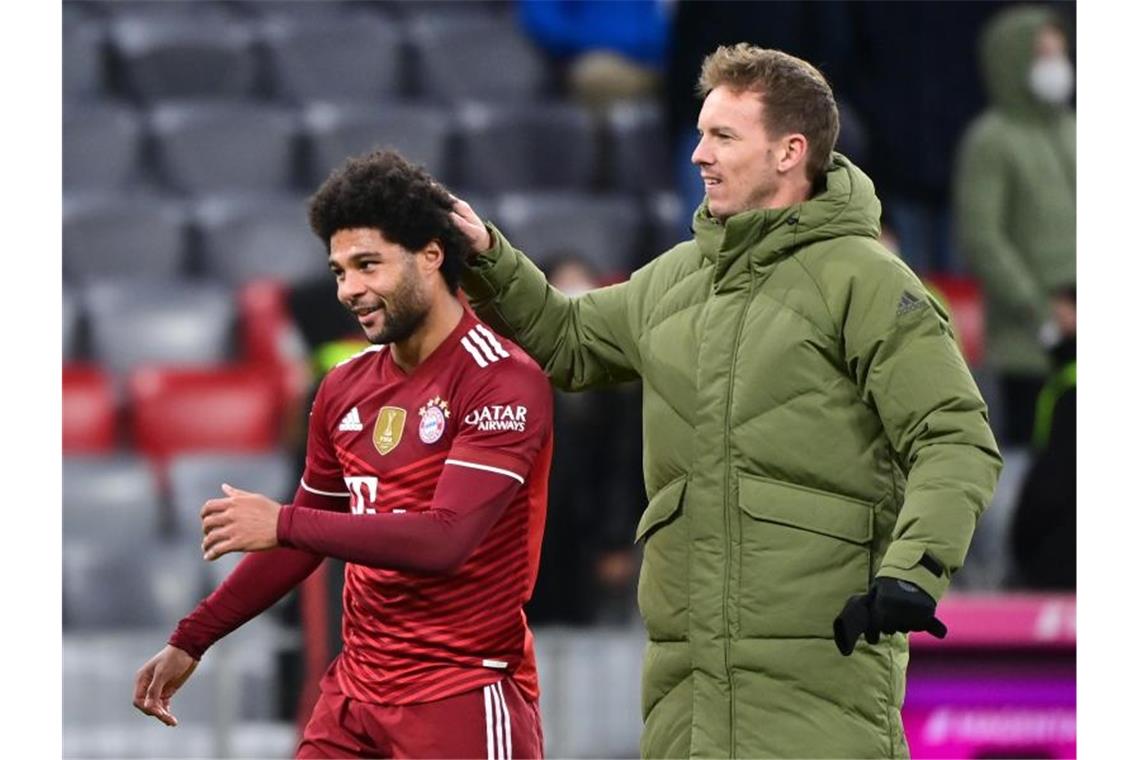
(240, 522)
(469, 223)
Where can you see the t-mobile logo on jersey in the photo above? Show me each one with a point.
(357, 486)
(498, 417)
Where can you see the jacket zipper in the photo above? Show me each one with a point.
(728, 513)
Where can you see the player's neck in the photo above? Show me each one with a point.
(441, 319)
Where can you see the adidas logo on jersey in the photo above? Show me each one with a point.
(483, 346)
(351, 422)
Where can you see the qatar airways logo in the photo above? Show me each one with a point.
(498, 417)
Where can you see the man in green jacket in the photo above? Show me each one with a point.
(816, 452)
(1015, 197)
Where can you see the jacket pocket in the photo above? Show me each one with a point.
(802, 553)
(663, 585)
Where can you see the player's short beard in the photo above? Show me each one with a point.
(407, 308)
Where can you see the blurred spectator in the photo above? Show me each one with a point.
(1015, 199)
(818, 32)
(612, 49)
(1044, 532)
(589, 566)
(915, 82)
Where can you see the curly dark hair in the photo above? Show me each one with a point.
(382, 190)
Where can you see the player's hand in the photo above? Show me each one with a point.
(240, 522)
(892, 606)
(469, 223)
(158, 679)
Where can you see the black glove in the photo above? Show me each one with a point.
(892, 606)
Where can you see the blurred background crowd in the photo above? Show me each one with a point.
(199, 313)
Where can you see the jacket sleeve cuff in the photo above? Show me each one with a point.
(903, 561)
(487, 272)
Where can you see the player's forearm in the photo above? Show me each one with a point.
(438, 540)
(258, 581)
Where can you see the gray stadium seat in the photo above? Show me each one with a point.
(245, 237)
(106, 586)
(83, 54)
(638, 159)
(113, 236)
(114, 500)
(503, 148)
(666, 226)
(101, 145)
(604, 230)
(147, 321)
(460, 56)
(350, 55)
(194, 478)
(209, 146)
(183, 54)
(337, 131)
(71, 325)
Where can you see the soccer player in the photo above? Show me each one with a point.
(426, 471)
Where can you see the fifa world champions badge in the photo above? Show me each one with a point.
(433, 419)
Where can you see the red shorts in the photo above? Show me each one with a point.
(494, 721)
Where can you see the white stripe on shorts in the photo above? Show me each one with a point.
(506, 717)
(487, 716)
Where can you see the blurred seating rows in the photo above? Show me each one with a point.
(211, 144)
(230, 239)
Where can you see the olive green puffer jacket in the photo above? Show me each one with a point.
(809, 423)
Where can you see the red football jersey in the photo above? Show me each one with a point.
(382, 437)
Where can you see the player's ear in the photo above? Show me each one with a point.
(430, 257)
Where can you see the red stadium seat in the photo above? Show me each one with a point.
(88, 410)
(963, 299)
(270, 340)
(231, 408)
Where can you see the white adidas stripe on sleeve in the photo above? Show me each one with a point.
(474, 352)
(310, 489)
(490, 336)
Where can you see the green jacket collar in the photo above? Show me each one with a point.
(846, 206)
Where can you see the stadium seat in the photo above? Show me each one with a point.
(638, 159)
(109, 587)
(270, 338)
(244, 237)
(111, 499)
(962, 297)
(525, 147)
(107, 236)
(72, 325)
(225, 409)
(208, 146)
(665, 228)
(181, 54)
(337, 132)
(88, 410)
(460, 56)
(140, 321)
(194, 478)
(347, 55)
(604, 230)
(83, 54)
(101, 145)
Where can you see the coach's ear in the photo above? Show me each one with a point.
(430, 258)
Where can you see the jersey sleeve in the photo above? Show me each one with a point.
(322, 476)
(504, 421)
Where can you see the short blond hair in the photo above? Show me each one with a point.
(796, 97)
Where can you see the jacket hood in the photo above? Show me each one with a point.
(1006, 55)
(847, 206)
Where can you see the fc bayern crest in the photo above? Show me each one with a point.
(433, 420)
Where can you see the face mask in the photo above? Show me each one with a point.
(1051, 79)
